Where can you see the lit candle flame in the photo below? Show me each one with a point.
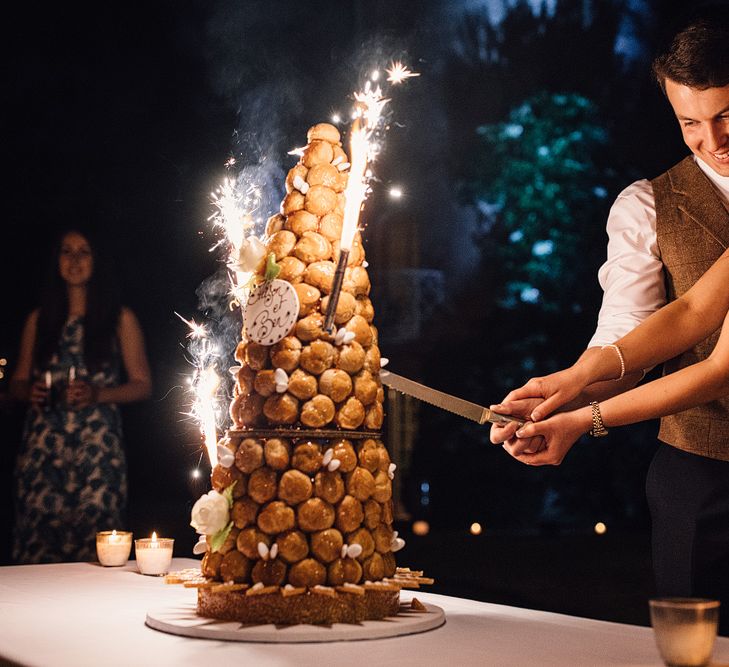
(154, 536)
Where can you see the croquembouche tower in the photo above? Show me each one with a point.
(299, 524)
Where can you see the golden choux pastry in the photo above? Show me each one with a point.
(349, 514)
(274, 224)
(249, 409)
(360, 484)
(297, 170)
(221, 478)
(387, 509)
(307, 457)
(383, 487)
(351, 357)
(295, 487)
(265, 384)
(292, 546)
(372, 360)
(326, 545)
(302, 221)
(308, 299)
(244, 511)
(343, 180)
(292, 269)
(372, 513)
(229, 543)
(269, 572)
(382, 535)
(330, 226)
(248, 539)
(361, 329)
(344, 570)
(320, 200)
(363, 307)
(281, 243)
(336, 384)
(240, 352)
(384, 462)
(310, 327)
(308, 572)
(277, 452)
(249, 456)
(317, 412)
(326, 175)
(281, 409)
(363, 537)
(339, 156)
(365, 387)
(285, 354)
(368, 454)
(314, 514)
(375, 335)
(317, 357)
(235, 567)
(244, 379)
(374, 416)
(293, 201)
(302, 384)
(345, 454)
(210, 565)
(321, 275)
(256, 355)
(373, 568)
(388, 560)
(356, 252)
(276, 517)
(323, 132)
(312, 247)
(329, 486)
(317, 152)
(262, 485)
(350, 414)
(341, 203)
(356, 281)
(345, 307)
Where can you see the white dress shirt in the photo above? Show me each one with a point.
(632, 277)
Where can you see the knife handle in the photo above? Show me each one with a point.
(502, 420)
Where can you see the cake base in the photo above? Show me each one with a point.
(184, 621)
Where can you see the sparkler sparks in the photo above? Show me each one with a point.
(196, 330)
(397, 73)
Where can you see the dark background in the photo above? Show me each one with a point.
(123, 116)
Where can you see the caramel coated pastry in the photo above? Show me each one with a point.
(365, 387)
(308, 572)
(281, 243)
(276, 517)
(249, 456)
(277, 452)
(344, 571)
(336, 384)
(350, 414)
(351, 357)
(323, 132)
(364, 538)
(310, 328)
(297, 170)
(368, 454)
(341, 203)
(375, 334)
(250, 409)
(235, 567)
(329, 486)
(234, 410)
(373, 568)
(244, 511)
(302, 221)
(389, 563)
(308, 298)
(292, 546)
(210, 566)
(356, 252)
(321, 275)
(326, 545)
(330, 227)
(374, 416)
(274, 224)
(320, 200)
(372, 513)
(364, 308)
(244, 379)
(314, 514)
(349, 514)
(294, 487)
(262, 485)
(382, 535)
(360, 483)
(317, 152)
(387, 512)
(384, 462)
(285, 354)
(281, 409)
(292, 269)
(356, 281)
(256, 355)
(359, 326)
(293, 201)
(307, 457)
(248, 539)
(230, 541)
(339, 155)
(372, 360)
(302, 384)
(312, 247)
(240, 352)
(265, 383)
(269, 572)
(317, 356)
(326, 175)
(317, 412)
(221, 478)
(345, 307)
(344, 452)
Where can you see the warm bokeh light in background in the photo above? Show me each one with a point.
(395, 192)
(476, 528)
(421, 528)
(600, 528)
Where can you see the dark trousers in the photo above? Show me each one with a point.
(688, 496)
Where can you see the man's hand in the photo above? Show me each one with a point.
(555, 390)
(506, 433)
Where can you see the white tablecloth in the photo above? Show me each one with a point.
(83, 614)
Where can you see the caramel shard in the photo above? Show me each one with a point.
(324, 590)
(353, 589)
(417, 605)
(229, 587)
(205, 583)
(291, 591)
(264, 590)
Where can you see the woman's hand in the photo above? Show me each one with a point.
(39, 394)
(81, 394)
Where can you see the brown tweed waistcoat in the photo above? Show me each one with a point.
(692, 226)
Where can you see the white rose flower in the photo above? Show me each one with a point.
(210, 513)
(251, 254)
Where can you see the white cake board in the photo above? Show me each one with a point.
(184, 621)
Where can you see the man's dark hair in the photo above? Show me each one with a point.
(698, 54)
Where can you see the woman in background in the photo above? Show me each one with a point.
(71, 469)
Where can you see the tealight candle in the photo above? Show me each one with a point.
(154, 554)
(113, 547)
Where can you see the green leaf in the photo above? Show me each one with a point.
(217, 540)
(272, 269)
(228, 493)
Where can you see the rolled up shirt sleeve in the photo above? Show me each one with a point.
(632, 276)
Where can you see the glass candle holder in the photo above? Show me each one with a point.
(113, 547)
(154, 555)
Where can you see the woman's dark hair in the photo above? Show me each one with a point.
(103, 308)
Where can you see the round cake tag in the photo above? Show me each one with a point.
(270, 312)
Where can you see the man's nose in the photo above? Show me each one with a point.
(716, 136)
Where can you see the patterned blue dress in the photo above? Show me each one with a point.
(71, 470)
